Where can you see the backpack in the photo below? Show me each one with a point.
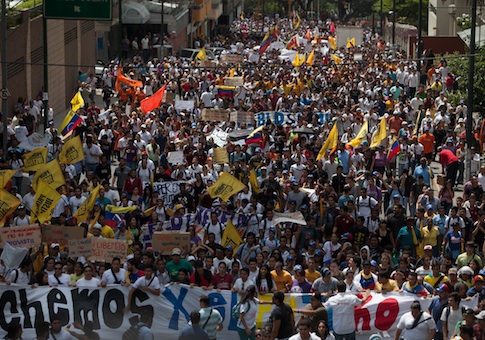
(236, 310)
(132, 332)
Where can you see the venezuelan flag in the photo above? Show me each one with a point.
(225, 91)
(292, 43)
(256, 136)
(70, 122)
(267, 40)
(395, 149)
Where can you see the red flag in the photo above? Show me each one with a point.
(125, 80)
(332, 27)
(153, 101)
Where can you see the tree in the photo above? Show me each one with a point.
(459, 67)
(406, 10)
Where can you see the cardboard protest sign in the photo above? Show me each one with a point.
(21, 237)
(242, 117)
(233, 81)
(232, 58)
(61, 234)
(184, 105)
(214, 115)
(220, 156)
(165, 241)
(104, 249)
(166, 190)
(175, 157)
(80, 247)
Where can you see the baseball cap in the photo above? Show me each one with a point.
(428, 247)
(469, 311)
(229, 248)
(55, 245)
(442, 288)
(265, 249)
(191, 258)
(348, 236)
(176, 251)
(312, 244)
(429, 207)
(452, 271)
(290, 258)
(396, 196)
(97, 226)
(326, 271)
(318, 252)
(449, 140)
(478, 278)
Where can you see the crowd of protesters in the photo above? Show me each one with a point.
(373, 222)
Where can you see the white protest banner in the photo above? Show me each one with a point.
(165, 241)
(171, 309)
(285, 118)
(104, 249)
(34, 141)
(214, 115)
(166, 190)
(232, 58)
(175, 157)
(80, 247)
(184, 105)
(234, 81)
(219, 136)
(294, 217)
(12, 257)
(242, 117)
(254, 57)
(60, 234)
(21, 237)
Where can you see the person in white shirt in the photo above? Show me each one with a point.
(28, 199)
(92, 154)
(304, 328)
(76, 200)
(22, 218)
(242, 283)
(88, 280)
(415, 324)
(22, 274)
(365, 203)
(149, 283)
(59, 278)
(57, 332)
(115, 275)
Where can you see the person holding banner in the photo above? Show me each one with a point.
(415, 324)
(149, 283)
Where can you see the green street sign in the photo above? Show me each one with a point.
(78, 9)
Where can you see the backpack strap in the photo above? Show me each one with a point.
(16, 275)
(207, 321)
(114, 275)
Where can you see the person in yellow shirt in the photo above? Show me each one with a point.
(385, 284)
(436, 278)
(431, 235)
(311, 273)
(282, 278)
(106, 230)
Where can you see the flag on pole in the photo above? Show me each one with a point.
(336, 59)
(308, 35)
(8, 204)
(380, 134)
(114, 214)
(361, 136)
(35, 159)
(311, 58)
(77, 101)
(5, 176)
(330, 143)
(293, 42)
(72, 151)
(70, 122)
(231, 237)
(125, 80)
(154, 101)
(253, 180)
(333, 43)
(45, 200)
(50, 173)
(202, 55)
(298, 61)
(395, 149)
(350, 42)
(225, 186)
(82, 212)
(265, 43)
(296, 20)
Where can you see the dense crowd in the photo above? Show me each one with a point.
(373, 222)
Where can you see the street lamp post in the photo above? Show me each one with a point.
(4, 74)
(382, 21)
(471, 83)
(393, 24)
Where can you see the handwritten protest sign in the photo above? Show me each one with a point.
(294, 217)
(165, 241)
(234, 81)
(242, 117)
(104, 249)
(214, 115)
(220, 156)
(232, 58)
(184, 105)
(166, 190)
(13, 257)
(80, 247)
(175, 157)
(61, 234)
(24, 237)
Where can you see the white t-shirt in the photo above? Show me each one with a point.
(239, 284)
(143, 282)
(329, 250)
(18, 221)
(250, 310)
(94, 282)
(421, 331)
(75, 202)
(365, 205)
(452, 319)
(64, 280)
(343, 316)
(109, 278)
(298, 337)
(18, 276)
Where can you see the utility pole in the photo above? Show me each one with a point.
(471, 83)
(45, 94)
(161, 25)
(393, 25)
(4, 75)
(382, 22)
(120, 33)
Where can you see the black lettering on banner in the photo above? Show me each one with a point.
(141, 296)
(8, 298)
(84, 302)
(54, 298)
(36, 305)
(113, 319)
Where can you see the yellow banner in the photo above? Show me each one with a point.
(77, 101)
(8, 204)
(45, 201)
(119, 210)
(202, 55)
(253, 180)
(5, 176)
(231, 237)
(225, 186)
(361, 136)
(72, 151)
(380, 134)
(330, 143)
(51, 173)
(35, 159)
(82, 212)
(311, 58)
(336, 59)
(220, 156)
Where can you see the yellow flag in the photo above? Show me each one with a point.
(361, 136)
(201, 55)
(231, 237)
(333, 43)
(45, 201)
(148, 212)
(233, 71)
(5, 176)
(220, 156)
(119, 210)
(77, 101)
(311, 58)
(72, 151)
(35, 159)
(8, 204)
(225, 186)
(380, 134)
(350, 42)
(50, 173)
(336, 59)
(254, 182)
(298, 61)
(330, 143)
(82, 212)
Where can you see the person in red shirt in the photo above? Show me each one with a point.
(343, 222)
(201, 277)
(450, 163)
(222, 280)
(428, 141)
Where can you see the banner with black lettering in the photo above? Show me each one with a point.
(171, 310)
(286, 118)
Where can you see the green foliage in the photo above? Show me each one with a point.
(406, 10)
(459, 66)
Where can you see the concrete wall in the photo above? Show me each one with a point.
(71, 46)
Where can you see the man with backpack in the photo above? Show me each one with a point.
(451, 315)
(210, 318)
(140, 330)
(215, 227)
(194, 331)
(22, 275)
(282, 318)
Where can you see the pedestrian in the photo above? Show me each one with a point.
(415, 324)
(248, 310)
(194, 331)
(210, 318)
(304, 329)
(281, 318)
